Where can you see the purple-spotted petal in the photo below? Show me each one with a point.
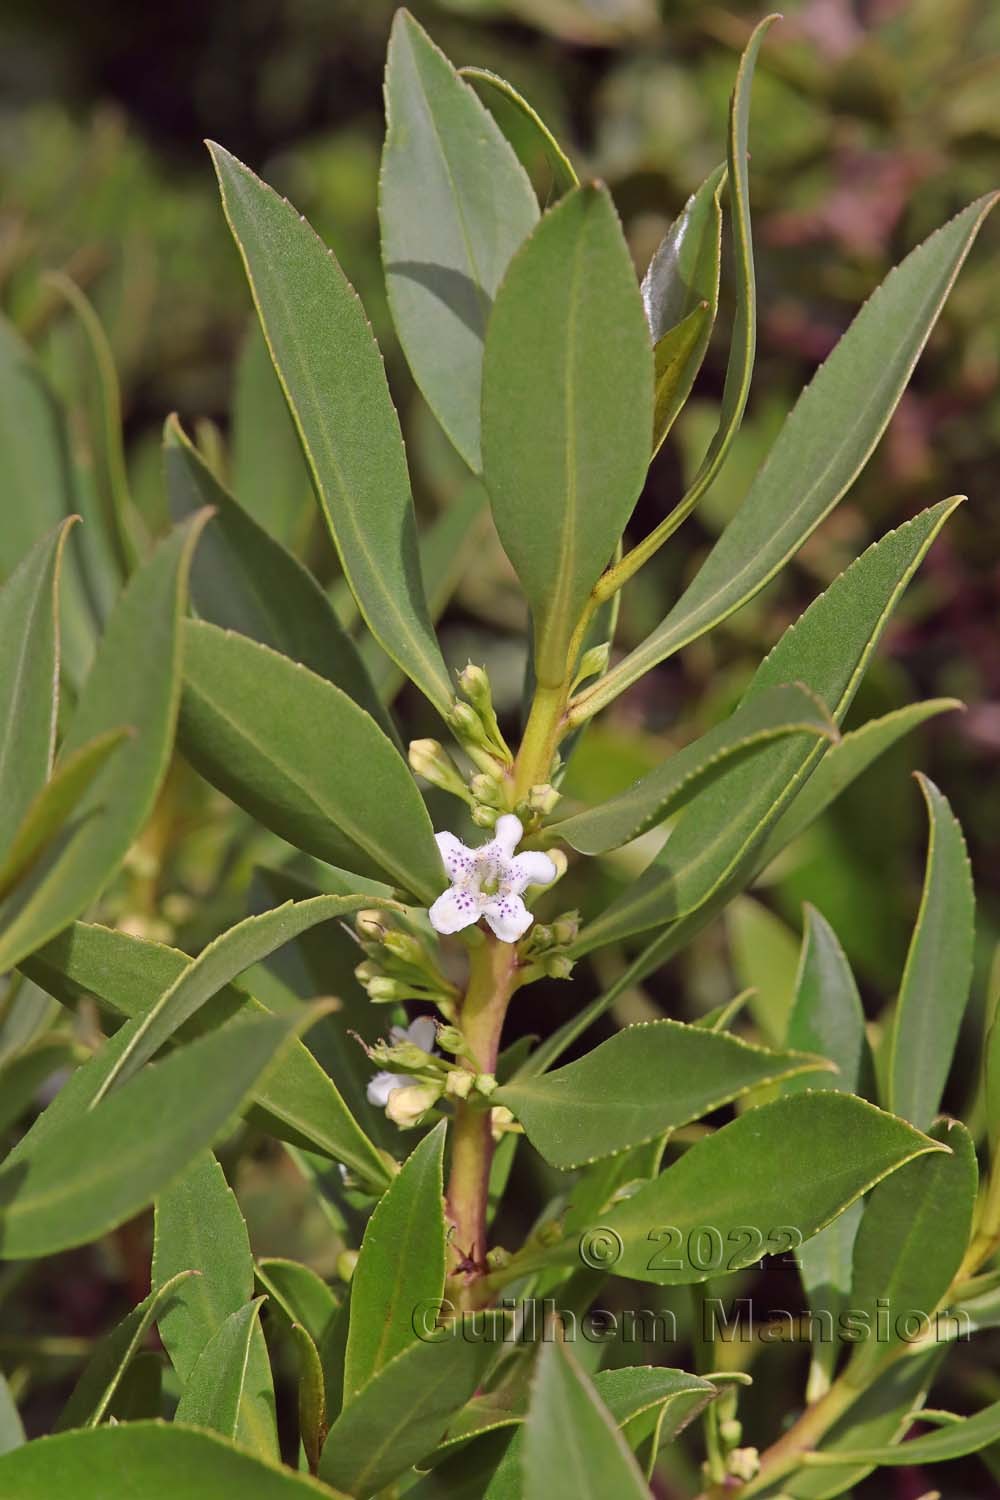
(531, 868)
(453, 910)
(508, 834)
(456, 858)
(508, 917)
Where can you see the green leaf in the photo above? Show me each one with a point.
(823, 446)
(128, 975)
(567, 411)
(827, 649)
(843, 763)
(402, 1414)
(684, 272)
(96, 1387)
(454, 205)
(220, 1393)
(39, 488)
(643, 1081)
(223, 960)
(66, 1185)
(332, 374)
(147, 1461)
(312, 1398)
(771, 715)
(401, 1265)
(935, 984)
(677, 359)
(11, 1430)
(526, 131)
(760, 1185)
(29, 678)
(765, 957)
(340, 791)
(269, 472)
(244, 580)
(825, 1267)
(302, 1295)
(199, 1224)
(54, 804)
(912, 1240)
(22, 1075)
(134, 680)
(827, 1016)
(572, 1448)
(955, 1440)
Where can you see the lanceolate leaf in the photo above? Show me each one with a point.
(29, 678)
(246, 581)
(223, 960)
(644, 1081)
(304, 759)
(401, 1266)
(95, 1389)
(401, 1415)
(823, 446)
(128, 975)
(54, 804)
(572, 1447)
(269, 473)
(160, 1462)
(135, 680)
(199, 1225)
(66, 1185)
(843, 763)
(526, 131)
(567, 411)
(912, 1238)
(772, 714)
(454, 205)
(300, 1293)
(827, 1016)
(758, 1186)
(827, 650)
(332, 374)
(953, 1440)
(215, 1393)
(935, 984)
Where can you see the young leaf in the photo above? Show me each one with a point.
(572, 1448)
(220, 1393)
(160, 1462)
(96, 1387)
(823, 446)
(332, 374)
(844, 763)
(827, 649)
(763, 1184)
(402, 1413)
(297, 1100)
(771, 715)
(221, 961)
(645, 1080)
(912, 1238)
(935, 985)
(244, 580)
(677, 359)
(827, 1016)
(29, 678)
(684, 272)
(67, 1185)
(135, 680)
(312, 1398)
(198, 1224)
(301, 1294)
(401, 1265)
(567, 411)
(454, 205)
(53, 805)
(339, 790)
(526, 131)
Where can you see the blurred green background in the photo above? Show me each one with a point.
(873, 121)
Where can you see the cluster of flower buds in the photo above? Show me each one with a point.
(544, 951)
(399, 965)
(414, 1075)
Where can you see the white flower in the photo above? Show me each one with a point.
(421, 1033)
(488, 882)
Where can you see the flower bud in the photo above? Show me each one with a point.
(366, 972)
(557, 965)
(403, 945)
(498, 1259)
(469, 726)
(501, 1119)
(484, 817)
(384, 989)
(560, 861)
(543, 798)
(486, 1085)
(542, 937)
(566, 928)
(486, 789)
(429, 759)
(370, 925)
(459, 1083)
(743, 1463)
(475, 685)
(407, 1106)
(408, 1056)
(731, 1431)
(450, 1039)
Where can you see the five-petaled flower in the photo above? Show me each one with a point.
(488, 882)
(421, 1032)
